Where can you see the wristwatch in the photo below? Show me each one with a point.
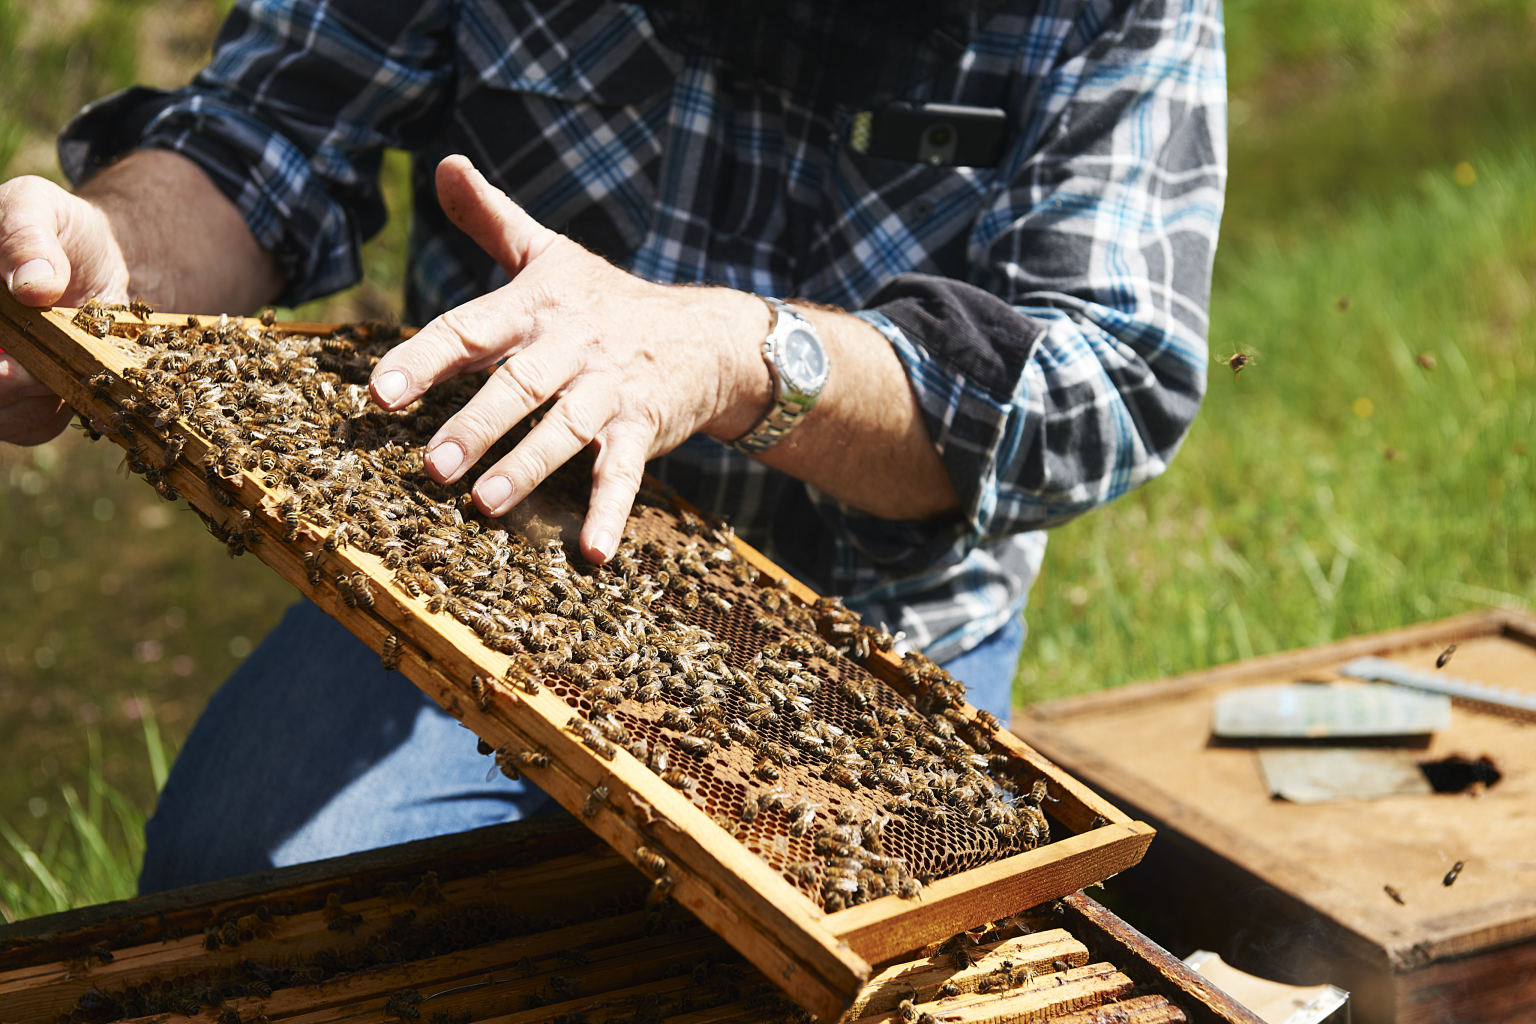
(797, 361)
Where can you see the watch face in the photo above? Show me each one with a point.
(803, 360)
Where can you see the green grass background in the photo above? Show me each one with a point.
(1336, 487)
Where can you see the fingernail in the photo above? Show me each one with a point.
(602, 543)
(31, 272)
(390, 387)
(445, 459)
(493, 492)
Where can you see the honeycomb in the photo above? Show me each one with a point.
(753, 705)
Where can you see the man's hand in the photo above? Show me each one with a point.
(635, 367)
(153, 224)
(55, 249)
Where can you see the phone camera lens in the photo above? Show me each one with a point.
(939, 135)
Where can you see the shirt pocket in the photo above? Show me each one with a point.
(563, 107)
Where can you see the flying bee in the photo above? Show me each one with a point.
(594, 802)
(661, 889)
(268, 317)
(389, 656)
(1445, 656)
(533, 759)
(650, 861)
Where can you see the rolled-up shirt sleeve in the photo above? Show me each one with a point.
(1070, 369)
(289, 121)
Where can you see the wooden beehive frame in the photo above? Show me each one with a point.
(819, 959)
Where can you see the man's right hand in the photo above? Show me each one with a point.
(55, 249)
(152, 223)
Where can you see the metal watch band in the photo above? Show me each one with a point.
(789, 406)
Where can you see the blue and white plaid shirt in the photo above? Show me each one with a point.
(1050, 312)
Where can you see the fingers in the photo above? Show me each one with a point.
(29, 412)
(485, 213)
(568, 428)
(523, 383)
(32, 260)
(476, 334)
(462, 340)
(616, 478)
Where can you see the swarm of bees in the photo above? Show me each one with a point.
(747, 701)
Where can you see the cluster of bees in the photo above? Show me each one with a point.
(626, 643)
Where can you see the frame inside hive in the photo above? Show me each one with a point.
(820, 959)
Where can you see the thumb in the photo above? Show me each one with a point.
(486, 214)
(33, 263)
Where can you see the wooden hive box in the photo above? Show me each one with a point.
(741, 889)
(534, 921)
(1295, 892)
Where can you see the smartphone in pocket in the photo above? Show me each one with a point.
(940, 134)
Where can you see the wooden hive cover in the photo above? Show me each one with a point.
(1249, 855)
(744, 889)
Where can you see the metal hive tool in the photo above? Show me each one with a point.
(548, 708)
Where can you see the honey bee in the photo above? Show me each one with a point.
(949, 990)
(748, 812)
(1237, 361)
(906, 1010)
(679, 779)
(698, 746)
(661, 889)
(268, 317)
(988, 720)
(480, 692)
(290, 510)
(803, 814)
(389, 656)
(766, 771)
(313, 567)
(651, 862)
(594, 802)
(533, 759)
(592, 738)
(716, 602)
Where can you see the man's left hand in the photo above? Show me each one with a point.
(634, 367)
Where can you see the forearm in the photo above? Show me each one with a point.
(865, 443)
(184, 245)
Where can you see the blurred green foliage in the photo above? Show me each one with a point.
(1283, 522)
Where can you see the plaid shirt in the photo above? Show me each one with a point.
(1061, 369)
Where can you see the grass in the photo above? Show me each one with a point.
(90, 853)
(1337, 486)
(1282, 523)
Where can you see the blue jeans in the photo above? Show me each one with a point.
(312, 750)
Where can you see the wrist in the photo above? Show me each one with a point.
(745, 390)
